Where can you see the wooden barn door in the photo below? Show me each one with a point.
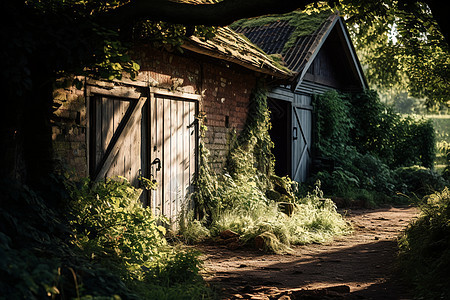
(117, 138)
(173, 144)
(301, 137)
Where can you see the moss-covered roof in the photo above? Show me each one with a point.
(295, 36)
(230, 46)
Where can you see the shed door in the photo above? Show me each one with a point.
(301, 137)
(173, 144)
(117, 138)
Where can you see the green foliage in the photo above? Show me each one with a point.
(109, 220)
(148, 184)
(419, 180)
(167, 34)
(397, 141)
(252, 155)
(400, 46)
(31, 243)
(425, 248)
(367, 141)
(333, 123)
(89, 241)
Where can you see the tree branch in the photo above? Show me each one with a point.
(220, 14)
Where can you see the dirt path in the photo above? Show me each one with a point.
(358, 266)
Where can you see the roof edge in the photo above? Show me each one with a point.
(225, 46)
(299, 77)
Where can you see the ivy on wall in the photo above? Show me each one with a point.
(250, 161)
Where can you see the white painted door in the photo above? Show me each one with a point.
(173, 144)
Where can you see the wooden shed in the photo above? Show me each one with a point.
(148, 127)
(318, 49)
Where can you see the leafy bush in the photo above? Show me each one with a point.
(97, 242)
(425, 248)
(366, 139)
(380, 131)
(419, 181)
(114, 230)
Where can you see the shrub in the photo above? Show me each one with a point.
(365, 139)
(98, 242)
(425, 248)
(419, 181)
(115, 231)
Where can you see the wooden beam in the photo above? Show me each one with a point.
(115, 91)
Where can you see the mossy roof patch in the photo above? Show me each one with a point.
(231, 46)
(303, 23)
(295, 36)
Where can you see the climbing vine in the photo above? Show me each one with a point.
(250, 161)
(251, 155)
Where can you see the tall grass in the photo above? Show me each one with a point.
(252, 215)
(425, 248)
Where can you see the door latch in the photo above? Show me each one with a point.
(157, 162)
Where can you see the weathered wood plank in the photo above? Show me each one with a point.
(159, 116)
(173, 158)
(180, 157)
(185, 151)
(193, 135)
(166, 158)
(164, 93)
(98, 131)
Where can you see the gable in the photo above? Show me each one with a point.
(335, 65)
(322, 53)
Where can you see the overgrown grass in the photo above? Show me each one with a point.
(425, 248)
(314, 219)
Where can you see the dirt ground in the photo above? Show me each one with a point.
(357, 266)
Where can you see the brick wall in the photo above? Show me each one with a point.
(225, 87)
(69, 129)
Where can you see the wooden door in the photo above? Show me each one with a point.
(174, 133)
(301, 137)
(117, 137)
